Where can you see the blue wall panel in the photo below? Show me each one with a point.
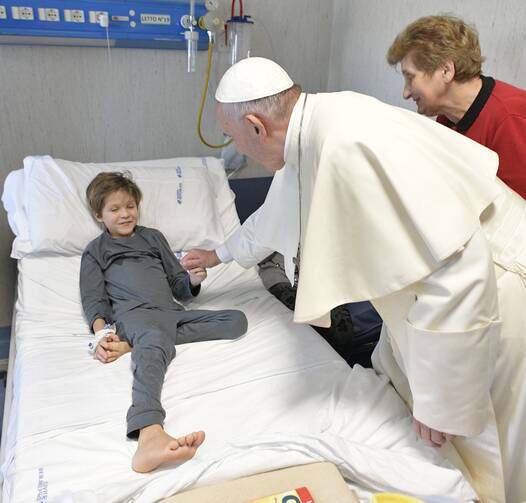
(132, 23)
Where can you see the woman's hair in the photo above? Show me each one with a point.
(432, 40)
(107, 183)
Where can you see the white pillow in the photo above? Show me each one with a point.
(214, 168)
(13, 199)
(180, 200)
(225, 197)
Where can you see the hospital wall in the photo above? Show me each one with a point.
(363, 30)
(78, 104)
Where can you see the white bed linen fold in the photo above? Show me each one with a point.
(279, 396)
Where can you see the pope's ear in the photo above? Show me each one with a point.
(255, 125)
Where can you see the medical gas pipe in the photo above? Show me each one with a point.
(238, 30)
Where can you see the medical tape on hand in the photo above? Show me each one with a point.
(100, 334)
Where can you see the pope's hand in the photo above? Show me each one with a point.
(431, 437)
(200, 258)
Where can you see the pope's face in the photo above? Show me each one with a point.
(427, 90)
(249, 140)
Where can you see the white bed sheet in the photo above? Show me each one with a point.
(277, 397)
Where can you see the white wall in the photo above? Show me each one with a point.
(363, 30)
(71, 102)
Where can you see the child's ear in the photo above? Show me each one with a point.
(98, 217)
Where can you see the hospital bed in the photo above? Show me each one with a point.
(279, 396)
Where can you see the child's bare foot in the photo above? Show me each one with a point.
(157, 447)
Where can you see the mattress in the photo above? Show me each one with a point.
(279, 396)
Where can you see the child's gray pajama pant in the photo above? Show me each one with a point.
(153, 335)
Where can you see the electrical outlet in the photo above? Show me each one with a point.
(74, 16)
(25, 13)
(77, 16)
(3, 13)
(52, 15)
(48, 14)
(94, 15)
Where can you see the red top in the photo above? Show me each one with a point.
(497, 120)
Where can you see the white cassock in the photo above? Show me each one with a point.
(402, 211)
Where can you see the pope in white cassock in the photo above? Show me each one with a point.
(378, 203)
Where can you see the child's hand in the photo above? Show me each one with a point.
(110, 348)
(197, 275)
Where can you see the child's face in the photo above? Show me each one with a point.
(119, 214)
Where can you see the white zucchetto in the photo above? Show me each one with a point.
(251, 79)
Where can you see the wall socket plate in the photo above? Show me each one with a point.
(49, 14)
(24, 13)
(74, 16)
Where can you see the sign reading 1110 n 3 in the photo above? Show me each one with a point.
(155, 19)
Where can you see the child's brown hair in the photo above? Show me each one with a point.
(107, 183)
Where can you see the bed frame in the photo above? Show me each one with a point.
(250, 194)
(8, 393)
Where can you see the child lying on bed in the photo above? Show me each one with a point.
(129, 277)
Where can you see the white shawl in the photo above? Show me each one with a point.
(386, 195)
